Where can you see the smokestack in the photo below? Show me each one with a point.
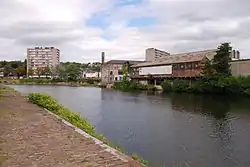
(237, 54)
(103, 57)
(233, 54)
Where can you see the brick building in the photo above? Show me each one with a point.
(111, 70)
(41, 57)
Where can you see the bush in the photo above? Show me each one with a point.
(214, 84)
(166, 86)
(180, 85)
(247, 92)
(130, 85)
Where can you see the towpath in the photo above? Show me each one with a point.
(31, 137)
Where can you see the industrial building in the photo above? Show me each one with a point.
(111, 70)
(159, 65)
(240, 67)
(41, 57)
(183, 65)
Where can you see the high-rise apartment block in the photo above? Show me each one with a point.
(42, 57)
(153, 54)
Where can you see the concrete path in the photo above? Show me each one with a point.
(30, 137)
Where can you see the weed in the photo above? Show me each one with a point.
(2, 140)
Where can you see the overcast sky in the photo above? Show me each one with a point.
(82, 29)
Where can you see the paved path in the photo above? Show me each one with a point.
(30, 137)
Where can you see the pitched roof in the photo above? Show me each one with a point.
(123, 61)
(180, 58)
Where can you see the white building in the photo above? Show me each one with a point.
(42, 57)
(92, 74)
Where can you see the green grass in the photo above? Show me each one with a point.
(74, 118)
(139, 159)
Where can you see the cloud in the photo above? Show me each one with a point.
(82, 29)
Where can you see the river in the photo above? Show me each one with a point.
(176, 130)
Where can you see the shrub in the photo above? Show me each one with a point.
(247, 92)
(129, 85)
(180, 85)
(166, 86)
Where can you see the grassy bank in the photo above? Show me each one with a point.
(210, 85)
(74, 118)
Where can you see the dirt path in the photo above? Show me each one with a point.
(30, 137)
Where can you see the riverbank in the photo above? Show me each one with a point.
(30, 136)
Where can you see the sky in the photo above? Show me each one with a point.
(123, 29)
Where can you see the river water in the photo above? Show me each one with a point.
(176, 130)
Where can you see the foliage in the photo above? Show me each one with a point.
(180, 85)
(128, 85)
(166, 86)
(139, 159)
(247, 92)
(47, 71)
(221, 59)
(208, 69)
(13, 68)
(74, 118)
(73, 72)
(214, 85)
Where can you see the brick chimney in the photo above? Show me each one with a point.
(103, 57)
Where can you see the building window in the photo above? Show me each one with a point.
(182, 66)
(188, 65)
(116, 79)
(111, 73)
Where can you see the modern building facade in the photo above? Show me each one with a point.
(42, 57)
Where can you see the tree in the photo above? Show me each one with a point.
(8, 70)
(208, 69)
(20, 71)
(221, 60)
(47, 71)
(39, 72)
(30, 72)
(73, 71)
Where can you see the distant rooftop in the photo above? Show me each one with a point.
(124, 61)
(180, 58)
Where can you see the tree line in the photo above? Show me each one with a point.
(65, 70)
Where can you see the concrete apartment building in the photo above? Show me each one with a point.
(42, 57)
(153, 54)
